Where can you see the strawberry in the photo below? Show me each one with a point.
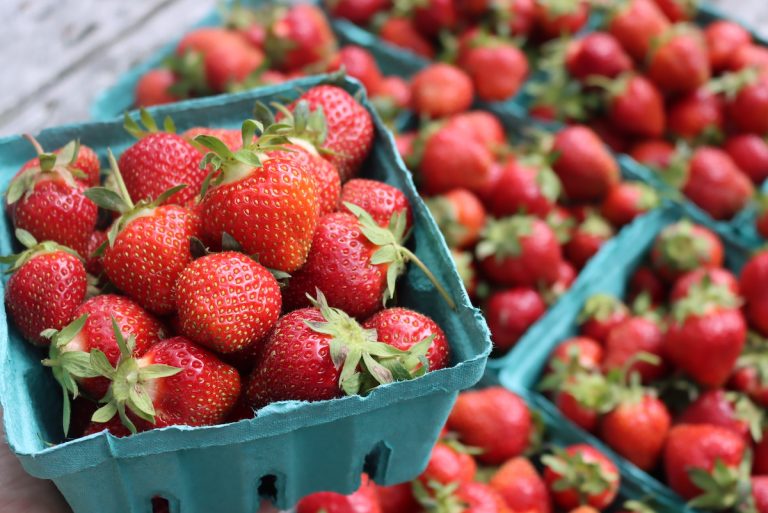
(521, 486)
(637, 428)
(630, 338)
(715, 276)
(679, 63)
(158, 161)
(749, 56)
(636, 24)
(480, 126)
(465, 266)
(380, 200)
(524, 186)
(497, 67)
(510, 313)
(493, 419)
(348, 133)
(716, 184)
(335, 356)
(678, 10)
(46, 200)
(654, 153)
(292, 209)
(600, 314)
(228, 65)
(724, 38)
(627, 201)
(226, 301)
(174, 383)
(299, 36)
(397, 499)
(94, 262)
(430, 17)
(554, 19)
(697, 455)
(598, 53)
(635, 105)
(206, 38)
(759, 493)
(586, 168)
(587, 238)
(231, 137)
(359, 12)
(364, 500)
(706, 334)
(760, 465)
(754, 276)
(683, 247)
(748, 107)
(400, 31)
(467, 497)
(519, 250)
(697, 116)
(359, 63)
(729, 410)
(441, 90)
(580, 474)
(451, 161)
(751, 371)
(750, 153)
(396, 91)
(154, 88)
(581, 352)
(460, 216)
(586, 418)
(517, 15)
(47, 284)
(645, 281)
(447, 464)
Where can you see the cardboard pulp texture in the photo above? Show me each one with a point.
(291, 449)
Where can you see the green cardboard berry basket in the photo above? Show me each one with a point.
(610, 275)
(290, 449)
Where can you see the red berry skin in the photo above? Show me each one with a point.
(149, 253)
(379, 199)
(633, 336)
(747, 380)
(748, 109)
(586, 418)
(716, 184)
(680, 64)
(44, 293)
(480, 498)
(451, 161)
(364, 500)
(754, 276)
(639, 109)
(519, 188)
(295, 363)
(585, 167)
(152, 88)
(637, 430)
(589, 352)
(598, 53)
(159, 161)
(713, 407)
(206, 38)
(636, 25)
(518, 482)
(479, 126)
(441, 90)
(227, 65)
(760, 464)
(87, 162)
(760, 493)
(360, 64)
(232, 137)
(696, 115)
(95, 264)
(447, 465)
(655, 153)
(724, 38)
(359, 12)
(750, 153)
(552, 25)
(400, 31)
(397, 499)
(403, 328)
(698, 446)
(585, 244)
(706, 250)
(227, 302)
(715, 275)
(749, 56)
(433, 16)
(98, 333)
(202, 394)
(326, 175)
(310, 38)
(677, 10)
(627, 201)
(498, 70)
(569, 499)
(56, 211)
(493, 419)
(460, 215)
(761, 224)
(646, 281)
(510, 313)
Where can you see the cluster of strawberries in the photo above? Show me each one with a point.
(230, 269)
(678, 380)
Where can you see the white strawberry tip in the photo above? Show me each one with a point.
(365, 362)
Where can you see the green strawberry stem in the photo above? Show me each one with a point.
(586, 478)
(724, 488)
(119, 180)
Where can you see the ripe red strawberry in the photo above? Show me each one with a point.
(226, 301)
(228, 65)
(47, 285)
(299, 36)
(636, 24)
(683, 247)
(460, 216)
(153, 88)
(364, 500)
(586, 418)
(627, 201)
(518, 482)
(759, 493)
(678, 10)
(747, 109)
(697, 116)
(694, 452)
(359, 12)
(379, 199)
(706, 334)
(749, 56)
(94, 262)
(654, 153)
(447, 465)
(493, 419)
(598, 53)
(465, 266)
(510, 313)
(317, 368)
(467, 497)
(586, 168)
(645, 281)
(231, 137)
(441, 90)
(750, 153)
(600, 314)
(397, 499)
(526, 187)
(519, 251)
(716, 184)
(754, 276)
(450, 160)
(630, 338)
(400, 31)
(46, 198)
(637, 428)
(729, 410)
(679, 63)
(554, 19)
(348, 134)
(326, 175)
(760, 464)
(497, 67)
(359, 63)
(635, 105)
(480, 126)
(724, 38)
(178, 383)
(583, 352)
(204, 39)
(587, 238)
(394, 90)
(580, 474)
(715, 276)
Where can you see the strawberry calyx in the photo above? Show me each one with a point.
(761, 202)
(32, 249)
(746, 411)
(131, 383)
(680, 248)
(436, 497)
(755, 356)
(501, 238)
(391, 250)
(612, 88)
(601, 307)
(648, 199)
(561, 227)
(586, 478)
(675, 30)
(675, 174)
(704, 297)
(549, 183)
(444, 213)
(557, 8)
(189, 71)
(68, 363)
(463, 261)
(364, 361)
(731, 84)
(298, 125)
(198, 249)
(724, 487)
(596, 225)
(149, 125)
(561, 370)
(638, 506)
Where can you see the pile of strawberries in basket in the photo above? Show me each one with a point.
(675, 379)
(218, 270)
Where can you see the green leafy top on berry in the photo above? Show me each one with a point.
(149, 125)
(601, 307)
(724, 487)
(501, 238)
(730, 84)
(436, 497)
(585, 477)
(681, 248)
(32, 249)
(702, 298)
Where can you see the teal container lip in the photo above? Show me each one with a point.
(31, 403)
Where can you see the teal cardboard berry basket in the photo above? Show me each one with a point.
(611, 274)
(290, 449)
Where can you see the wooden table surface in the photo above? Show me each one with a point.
(59, 54)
